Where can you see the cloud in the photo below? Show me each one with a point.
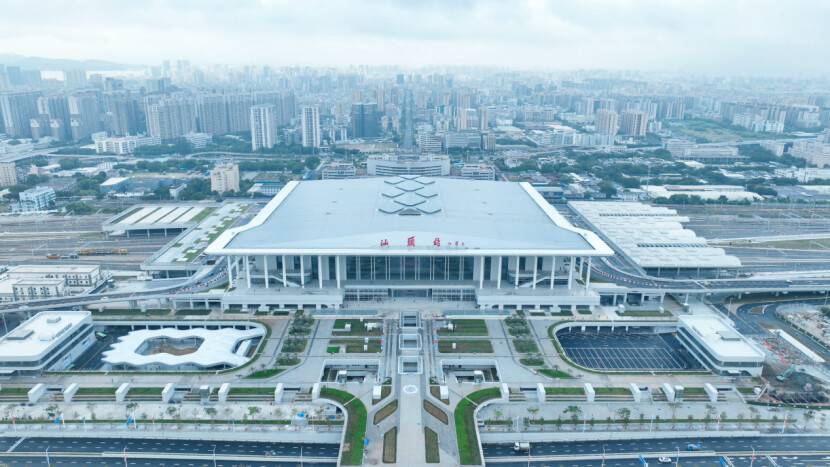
(735, 37)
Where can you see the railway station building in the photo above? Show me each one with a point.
(330, 243)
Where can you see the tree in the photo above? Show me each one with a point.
(253, 410)
(624, 414)
(575, 412)
(533, 411)
(498, 414)
(312, 162)
(69, 163)
(210, 412)
(607, 189)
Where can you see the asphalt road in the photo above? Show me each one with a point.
(776, 444)
(749, 323)
(95, 461)
(173, 446)
(708, 461)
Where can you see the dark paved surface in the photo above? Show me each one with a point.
(709, 461)
(119, 462)
(178, 446)
(606, 350)
(772, 444)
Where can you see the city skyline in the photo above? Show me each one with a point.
(734, 38)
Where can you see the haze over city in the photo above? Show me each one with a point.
(339, 233)
(707, 37)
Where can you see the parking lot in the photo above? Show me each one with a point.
(626, 351)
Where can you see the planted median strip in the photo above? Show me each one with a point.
(355, 424)
(465, 425)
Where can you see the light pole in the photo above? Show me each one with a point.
(677, 459)
(603, 455)
(125, 457)
(752, 459)
(214, 455)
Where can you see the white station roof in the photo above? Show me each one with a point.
(40, 333)
(359, 216)
(216, 349)
(651, 236)
(720, 338)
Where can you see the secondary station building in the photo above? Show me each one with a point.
(323, 244)
(50, 340)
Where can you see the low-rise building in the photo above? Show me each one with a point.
(718, 346)
(387, 165)
(224, 177)
(199, 140)
(39, 198)
(478, 172)
(75, 275)
(49, 341)
(34, 289)
(338, 171)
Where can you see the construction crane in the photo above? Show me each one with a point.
(783, 376)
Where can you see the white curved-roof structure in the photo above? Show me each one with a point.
(217, 347)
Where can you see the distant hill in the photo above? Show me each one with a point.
(40, 63)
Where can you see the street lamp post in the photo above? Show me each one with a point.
(752, 459)
(214, 455)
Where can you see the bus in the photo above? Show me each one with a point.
(100, 336)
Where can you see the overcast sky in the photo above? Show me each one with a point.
(752, 37)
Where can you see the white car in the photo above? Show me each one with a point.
(664, 460)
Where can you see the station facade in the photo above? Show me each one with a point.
(330, 243)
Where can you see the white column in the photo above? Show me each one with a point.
(337, 266)
(552, 271)
(498, 276)
(588, 276)
(481, 273)
(535, 261)
(516, 281)
(265, 267)
(284, 283)
(230, 273)
(320, 270)
(248, 271)
(302, 271)
(571, 273)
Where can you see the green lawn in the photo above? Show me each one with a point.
(358, 328)
(386, 411)
(185, 312)
(356, 345)
(554, 373)
(637, 313)
(465, 346)
(433, 454)
(266, 373)
(465, 429)
(466, 327)
(202, 214)
(355, 425)
(436, 412)
(549, 390)
(390, 446)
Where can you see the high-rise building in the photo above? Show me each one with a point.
(121, 114)
(239, 112)
(380, 99)
(74, 78)
(212, 114)
(365, 120)
(224, 177)
(84, 114)
(606, 123)
(53, 117)
(18, 108)
(633, 122)
(311, 127)
(263, 122)
(8, 174)
(483, 117)
(171, 118)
